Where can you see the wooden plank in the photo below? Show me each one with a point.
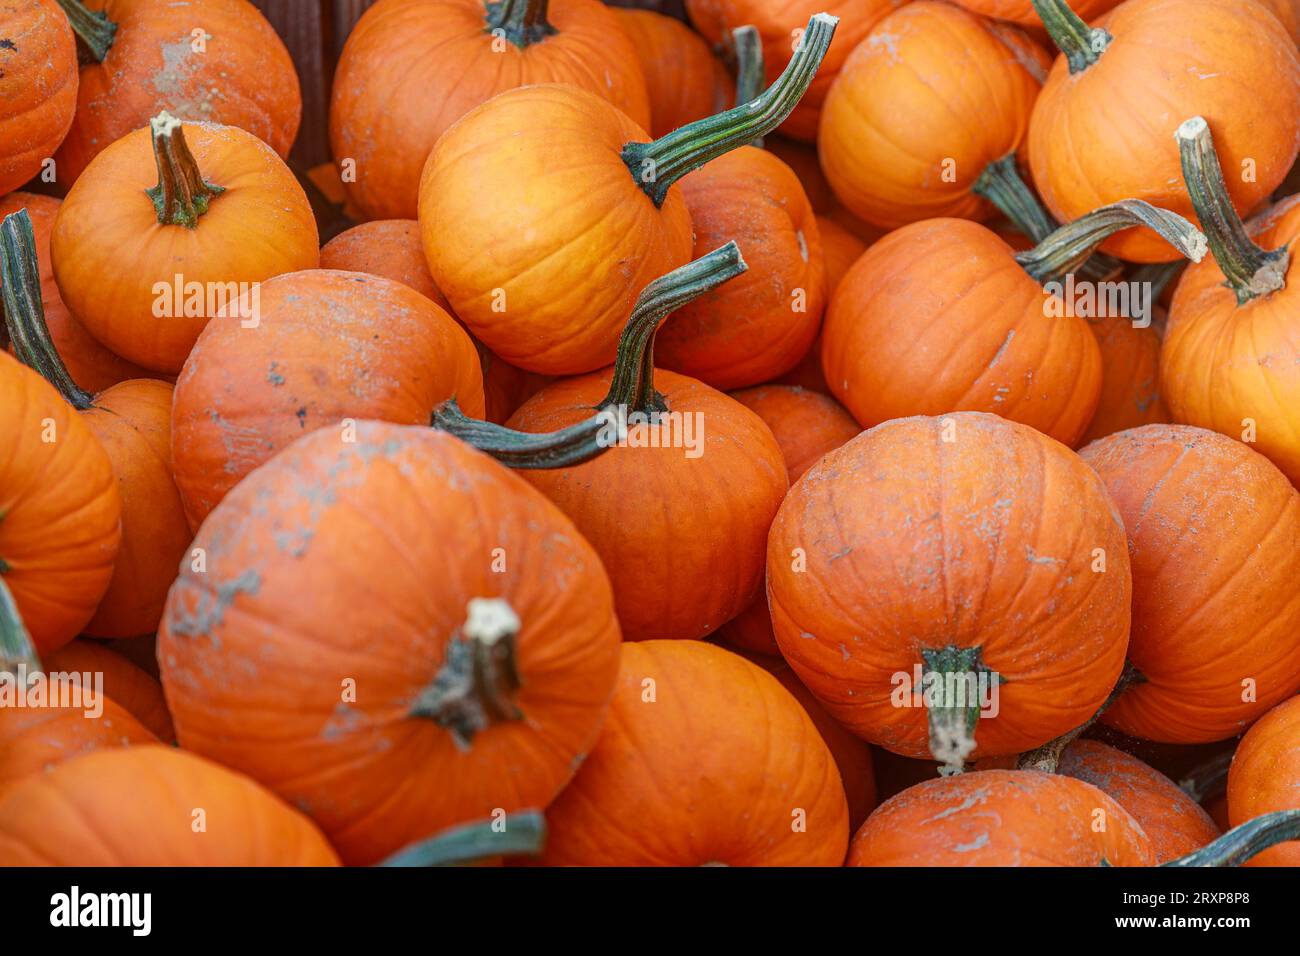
(305, 27)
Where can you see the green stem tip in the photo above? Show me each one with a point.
(522, 832)
(1081, 44)
(95, 30)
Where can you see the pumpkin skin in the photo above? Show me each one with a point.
(33, 740)
(1222, 364)
(384, 247)
(1000, 818)
(1287, 13)
(729, 742)
(684, 585)
(1263, 776)
(128, 685)
(685, 81)
(244, 77)
(329, 512)
(439, 57)
(1130, 377)
(261, 226)
(506, 387)
(978, 339)
(802, 159)
(1022, 11)
(329, 347)
(1214, 541)
(569, 272)
(776, 23)
(1009, 520)
(1107, 133)
(59, 538)
(92, 366)
(758, 325)
(38, 87)
(135, 807)
(891, 165)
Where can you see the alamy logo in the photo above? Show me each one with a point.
(923, 688)
(74, 689)
(623, 429)
(134, 910)
(1099, 300)
(207, 300)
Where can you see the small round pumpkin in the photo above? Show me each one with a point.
(1214, 540)
(394, 633)
(215, 61)
(412, 68)
(1130, 375)
(731, 745)
(967, 546)
(38, 87)
(1265, 776)
(35, 739)
(384, 247)
(136, 807)
(126, 683)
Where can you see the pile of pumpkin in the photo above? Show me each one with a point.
(411, 588)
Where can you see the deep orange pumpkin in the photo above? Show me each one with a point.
(934, 546)
(1022, 11)
(384, 247)
(412, 68)
(35, 739)
(237, 72)
(128, 685)
(726, 740)
(1288, 13)
(1130, 375)
(38, 87)
(1265, 776)
(802, 159)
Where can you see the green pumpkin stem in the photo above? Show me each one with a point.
(1248, 840)
(1250, 270)
(1048, 757)
(657, 165)
(950, 673)
(520, 833)
(1081, 44)
(631, 388)
(95, 30)
(182, 194)
(16, 647)
(23, 312)
(1067, 248)
(751, 75)
(522, 22)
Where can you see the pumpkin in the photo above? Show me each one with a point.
(684, 80)
(1001, 818)
(1103, 126)
(1022, 11)
(329, 348)
(412, 68)
(38, 87)
(470, 675)
(1231, 360)
(224, 215)
(928, 555)
(506, 387)
(216, 61)
(546, 278)
(125, 683)
(802, 159)
(743, 761)
(35, 739)
(1130, 375)
(1264, 774)
(922, 106)
(1288, 13)
(132, 421)
(91, 365)
(384, 247)
(778, 25)
(1214, 541)
(140, 807)
(943, 315)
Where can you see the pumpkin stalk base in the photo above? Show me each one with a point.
(182, 194)
(1081, 44)
(522, 22)
(95, 30)
(951, 679)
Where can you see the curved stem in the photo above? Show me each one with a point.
(522, 22)
(1081, 44)
(1066, 249)
(182, 194)
(1251, 271)
(631, 388)
(951, 676)
(657, 165)
(1248, 840)
(23, 313)
(522, 832)
(1047, 757)
(95, 30)
(1209, 779)
(751, 77)
(17, 651)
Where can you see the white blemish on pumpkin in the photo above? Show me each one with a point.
(977, 844)
(211, 607)
(1002, 350)
(803, 244)
(975, 799)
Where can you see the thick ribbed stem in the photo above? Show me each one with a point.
(24, 315)
(1047, 757)
(521, 21)
(1251, 271)
(95, 30)
(751, 77)
(950, 678)
(522, 832)
(1081, 44)
(657, 165)
(16, 647)
(182, 194)
(1248, 840)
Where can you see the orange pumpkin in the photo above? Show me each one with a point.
(329, 348)
(38, 87)
(1001, 818)
(385, 247)
(137, 807)
(1130, 375)
(439, 59)
(221, 218)
(145, 57)
(1103, 127)
(128, 685)
(547, 278)
(1022, 11)
(469, 676)
(1264, 775)
(889, 140)
(1214, 540)
(927, 552)
(506, 387)
(802, 159)
(729, 742)
(35, 739)
(1288, 13)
